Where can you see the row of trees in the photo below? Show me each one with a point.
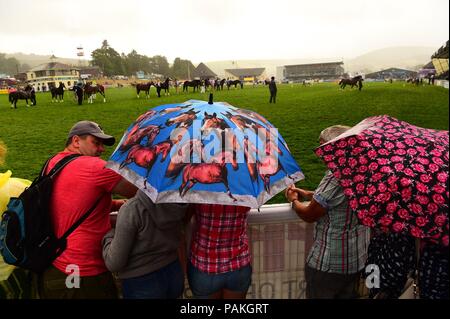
(113, 63)
(11, 66)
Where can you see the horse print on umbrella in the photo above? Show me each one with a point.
(209, 173)
(146, 116)
(243, 122)
(145, 156)
(254, 116)
(184, 154)
(174, 109)
(137, 134)
(183, 120)
(266, 166)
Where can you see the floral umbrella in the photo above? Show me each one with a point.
(205, 152)
(395, 175)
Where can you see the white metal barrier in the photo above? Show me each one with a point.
(280, 241)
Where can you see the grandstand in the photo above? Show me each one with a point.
(392, 73)
(324, 71)
(246, 74)
(440, 62)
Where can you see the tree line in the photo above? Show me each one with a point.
(113, 63)
(11, 66)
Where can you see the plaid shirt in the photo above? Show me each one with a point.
(340, 242)
(220, 241)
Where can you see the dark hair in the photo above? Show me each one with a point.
(273, 78)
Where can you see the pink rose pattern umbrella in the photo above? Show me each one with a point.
(395, 175)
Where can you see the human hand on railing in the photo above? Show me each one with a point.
(301, 193)
(291, 194)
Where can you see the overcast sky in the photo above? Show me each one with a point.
(209, 30)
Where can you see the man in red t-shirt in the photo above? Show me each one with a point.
(80, 272)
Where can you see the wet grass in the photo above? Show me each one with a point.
(33, 134)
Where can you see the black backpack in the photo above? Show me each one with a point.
(27, 239)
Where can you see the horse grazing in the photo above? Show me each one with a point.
(144, 87)
(145, 156)
(163, 86)
(58, 92)
(90, 90)
(27, 94)
(357, 80)
(235, 83)
(194, 83)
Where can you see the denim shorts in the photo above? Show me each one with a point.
(165, 283)
(203, 284)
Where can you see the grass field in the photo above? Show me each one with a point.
(33, 134)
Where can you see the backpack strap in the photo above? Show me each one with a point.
(60, 165)
(63, 162)
(80, 220)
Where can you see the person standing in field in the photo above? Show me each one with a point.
(272, 90)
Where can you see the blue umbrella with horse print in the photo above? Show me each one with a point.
(205, 152)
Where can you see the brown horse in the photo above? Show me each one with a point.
(58, 92)
(355, 81)
(235, 83)
(218, 85)
(222, 130)
(145, 156)
(136, 135)
(184, 155)
(144, 87)
(90, 91)
(163, 86)
(194, 84)
(208, 173)
(213, 122)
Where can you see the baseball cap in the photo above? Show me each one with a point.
(91, 128)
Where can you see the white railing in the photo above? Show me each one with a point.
(279, 243)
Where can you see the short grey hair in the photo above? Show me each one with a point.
(331, 132)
